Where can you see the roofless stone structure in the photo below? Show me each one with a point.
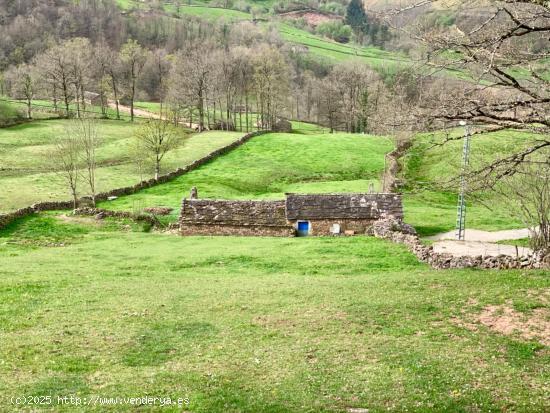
(302, 215)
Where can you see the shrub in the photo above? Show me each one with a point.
(335, 30)
(9, 114)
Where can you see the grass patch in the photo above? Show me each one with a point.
(26, 174)
(269, 165)
(249, 325)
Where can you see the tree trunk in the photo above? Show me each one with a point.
(157, 168)
(115, 95)
(66, 98)
(246, 112)
(132, 98)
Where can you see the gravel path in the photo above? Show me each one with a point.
(480, 243)
(485, 236)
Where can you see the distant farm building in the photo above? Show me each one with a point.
(298, 215)
(92, 98)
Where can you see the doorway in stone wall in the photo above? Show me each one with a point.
(303, 228)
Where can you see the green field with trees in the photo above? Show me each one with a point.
(29, 174)
(427, 100)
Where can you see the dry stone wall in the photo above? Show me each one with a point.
(398, 232)
(6, 219)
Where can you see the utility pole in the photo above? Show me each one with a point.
(461, 208)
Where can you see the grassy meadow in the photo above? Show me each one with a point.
(27, 176)
(431, 198)
(104, 309)
(269, 165)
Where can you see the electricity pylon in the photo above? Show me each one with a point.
(461, 208)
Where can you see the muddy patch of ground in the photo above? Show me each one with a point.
(503, 319)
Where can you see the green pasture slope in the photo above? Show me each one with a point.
(28, 176)
(256, 325)
(430, 203)
(269, 165)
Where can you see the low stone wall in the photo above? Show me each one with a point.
(401, 233)
(100, 213)
(6, 219)
(390, 179)
(224, 217)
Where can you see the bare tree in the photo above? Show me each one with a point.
(109, 67)
(79, 50)
(271, 80)
(191, 78)
(23, 81)
(133, 57)
(156, 138)
(65, 158)
(503, 61)
(527, 193)
(55, 66)
(86, 132)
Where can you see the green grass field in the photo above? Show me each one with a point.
(26, 172)
(433, 210)
(270, 165)
(252, 325)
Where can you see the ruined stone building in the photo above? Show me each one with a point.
(298, 215)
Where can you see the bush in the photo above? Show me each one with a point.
(333, 7)
(335, 30)
(9, 114)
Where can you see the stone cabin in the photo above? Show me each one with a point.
(298, 215)
(92, 98)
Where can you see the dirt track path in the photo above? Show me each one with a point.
(145, 113)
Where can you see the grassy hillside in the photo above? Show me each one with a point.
(270, 165)
(26, 172)
(257, 325)
(434, 210)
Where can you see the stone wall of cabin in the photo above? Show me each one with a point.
(356, 206)
(321, 227)
(245, 218)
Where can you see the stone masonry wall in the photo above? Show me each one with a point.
(398, 232)
(354, 206)
(321, 227)
(6, 219)
(221, 217)
(239, 230)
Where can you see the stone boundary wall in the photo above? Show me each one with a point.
(6, 219)
(390, 180)
(400, 233)
(100, 213)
